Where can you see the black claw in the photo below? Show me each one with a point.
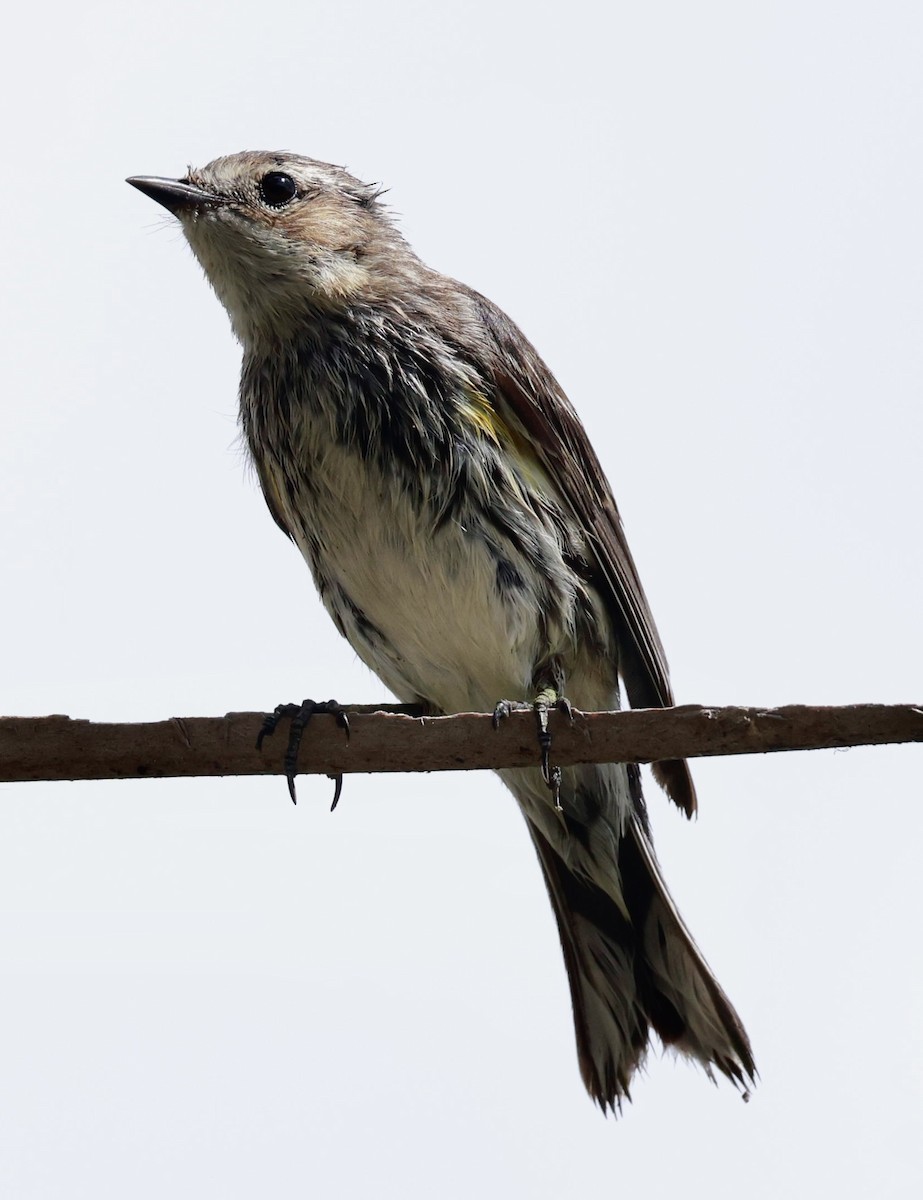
(341, 718)
(337, 789)
(544, 741)
(300, 715)
(271, 721)
(503, 708)
(541, 706)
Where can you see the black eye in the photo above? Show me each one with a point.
(277, 189)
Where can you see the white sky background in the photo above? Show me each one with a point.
(708, 218)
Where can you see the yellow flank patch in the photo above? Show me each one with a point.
(483, 414)
(485, 417)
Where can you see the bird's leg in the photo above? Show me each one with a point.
(546, 700)
(300, 715)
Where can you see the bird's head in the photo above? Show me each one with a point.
(280, 236)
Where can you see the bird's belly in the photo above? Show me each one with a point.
(427, 609)
(451, 610)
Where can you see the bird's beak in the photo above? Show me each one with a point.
(173, 194)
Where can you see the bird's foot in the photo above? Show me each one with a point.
(300, 715)
(545, 702)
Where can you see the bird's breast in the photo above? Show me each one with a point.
(441, 605)
(450, 575)
(445, 581)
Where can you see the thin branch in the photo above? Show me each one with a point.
(398, 738)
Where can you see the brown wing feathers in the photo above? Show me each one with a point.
(529, 390)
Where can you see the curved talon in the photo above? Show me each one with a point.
(295, 734)
(337, 788)
(341, 718)
(271, 720)
(544, 741)
(542, 705)
(300, 715)
(504, 708)
(547, 700)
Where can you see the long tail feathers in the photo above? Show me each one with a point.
(631, 974)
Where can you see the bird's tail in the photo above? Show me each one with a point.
(633, 967)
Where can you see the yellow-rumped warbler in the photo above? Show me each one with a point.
(464, 539)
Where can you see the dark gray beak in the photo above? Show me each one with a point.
(173, 194)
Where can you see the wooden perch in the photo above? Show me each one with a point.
(398, 738)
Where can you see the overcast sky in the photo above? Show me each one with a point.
(708, 218)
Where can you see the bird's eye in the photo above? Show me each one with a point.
(277, 189)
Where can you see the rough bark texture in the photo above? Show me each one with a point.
(392, 738)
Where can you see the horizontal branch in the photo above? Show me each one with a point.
(399, 738)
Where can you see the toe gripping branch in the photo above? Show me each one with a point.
(542, 705)
(300, 715)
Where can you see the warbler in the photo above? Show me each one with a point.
(464, 539)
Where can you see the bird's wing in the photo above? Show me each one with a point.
(527, 391)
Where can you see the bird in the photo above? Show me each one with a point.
(464, 539)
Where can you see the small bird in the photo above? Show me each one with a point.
(464, 539)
